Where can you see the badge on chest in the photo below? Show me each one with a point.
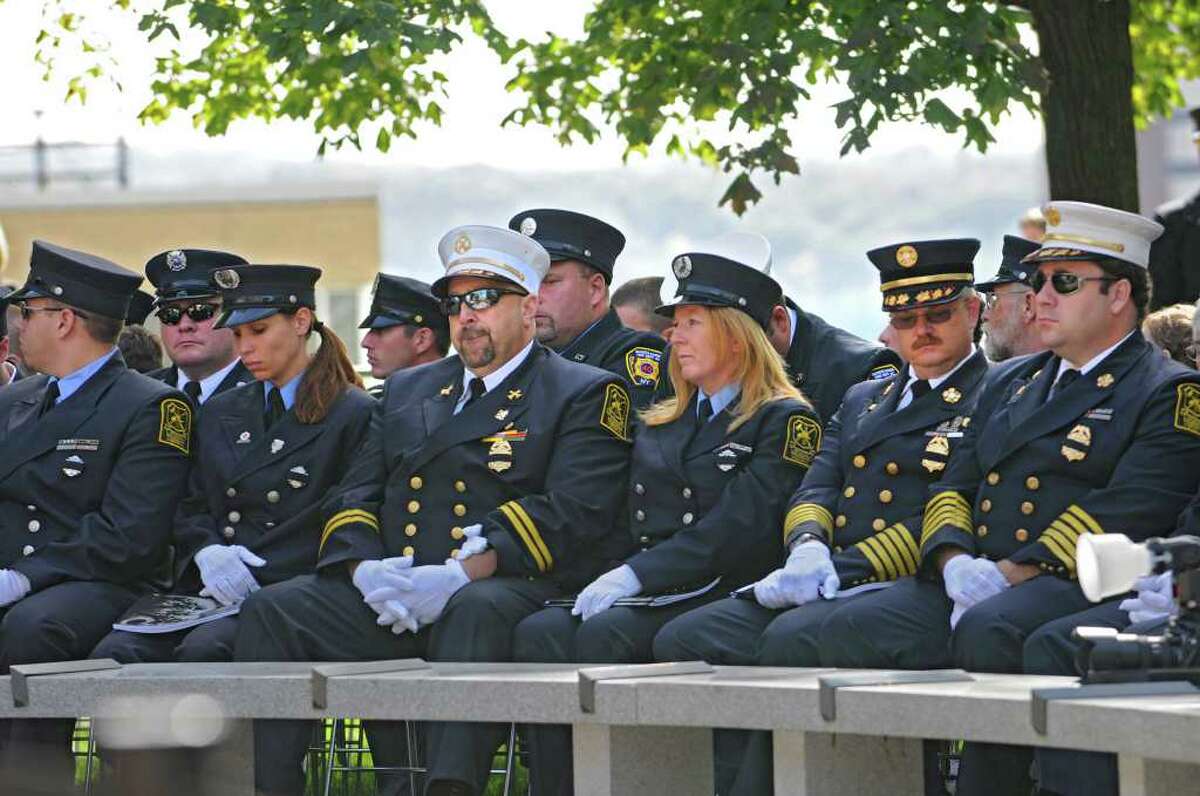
(502, 446)
(730, 455)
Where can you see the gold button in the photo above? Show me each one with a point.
(1021, 534)
(878, 524)
(860, 461)
(993, 478)
(408, 551)
(460, 486)
(414, 506)
(885, 496)
(848, 492)
(459, 510)
(456, 532)
(985, 505)
(892, 468)
(273, 496)
(981, 531)
(1027, 507)
(1032, 483)
(840, 521)
(410, 530)
(415, 482)
(455, 553)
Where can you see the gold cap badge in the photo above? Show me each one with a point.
(906, 256)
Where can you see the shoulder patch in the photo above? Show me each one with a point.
(643, 365)
(803, 440)
(614, 416)
(883, 372)
(175, 424)
(1187, 408)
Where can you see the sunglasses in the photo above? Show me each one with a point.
(1064, 282)
(992, 297)
(936, 316)
(479, 299)
(27, 311)
(171, 314)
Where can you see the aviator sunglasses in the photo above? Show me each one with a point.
(936, 316)
(479, 299)
(1064, 282)
(171, 315)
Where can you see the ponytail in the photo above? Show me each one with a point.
(329, 373)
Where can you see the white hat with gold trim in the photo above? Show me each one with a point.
(492, 253)
(1082, 231)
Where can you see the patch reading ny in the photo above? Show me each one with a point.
(803, 440)
(1187, 408)
(614, 416)
(883, 372)
(643, 365)
(175, 424)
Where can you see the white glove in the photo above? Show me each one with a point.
(972, 580)
(1155, 599)
(224, 572)
(605, 590)
(808, 574)
(474, 542)
(426, 592)
(13, 586)
(372, 575)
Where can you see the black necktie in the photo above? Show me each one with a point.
(476, 389)
(919, 388)
(275, 408)
(1065, 379)
(49, 398)
(192, 390)
(705, 414)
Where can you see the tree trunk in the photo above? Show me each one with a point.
(1087, 106)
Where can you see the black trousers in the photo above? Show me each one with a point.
(210, 642)
(323, 618)
(908, 627)
(1051, 650)
(59, 623)
(553, 635)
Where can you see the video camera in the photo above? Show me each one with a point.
(1110, 565)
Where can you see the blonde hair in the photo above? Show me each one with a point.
(760, 370)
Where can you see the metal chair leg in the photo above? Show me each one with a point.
(91, 755)
(330, 755)
(509, 758)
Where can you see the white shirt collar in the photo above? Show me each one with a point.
(793, 319)
(720, 399)
(493, 379)
(934, 383)
(1094, 361)
(208, 384)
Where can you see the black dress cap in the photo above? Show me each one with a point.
(924, 272)
(252, 292)
(710, 280)
(78, 279)
(567, 235)
(1011, 269)
(397, 300)
(139, 308)
(183, 273)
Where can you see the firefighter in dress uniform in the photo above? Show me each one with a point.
(711, 470)
(405, 327)
(489, 483)
(93, 460)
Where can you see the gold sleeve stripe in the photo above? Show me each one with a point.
(899, 536)
(945, 497)
(947, 508)
(519, 519)
(898, 562)
(1061, 553)
(533, 533)
(808, 512)
(1087, 519)
(347, 517)
(949, 514)
(876, 564)
(885, 555)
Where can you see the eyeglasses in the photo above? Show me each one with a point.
(936, 316)
(1064, 282)
(172, 314)
(1192, 351)
(478, 299)
(27, 311)
(992, 297)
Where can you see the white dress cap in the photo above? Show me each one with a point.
(492, 253)
(1078, 230)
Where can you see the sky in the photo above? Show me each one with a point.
(469, 134)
